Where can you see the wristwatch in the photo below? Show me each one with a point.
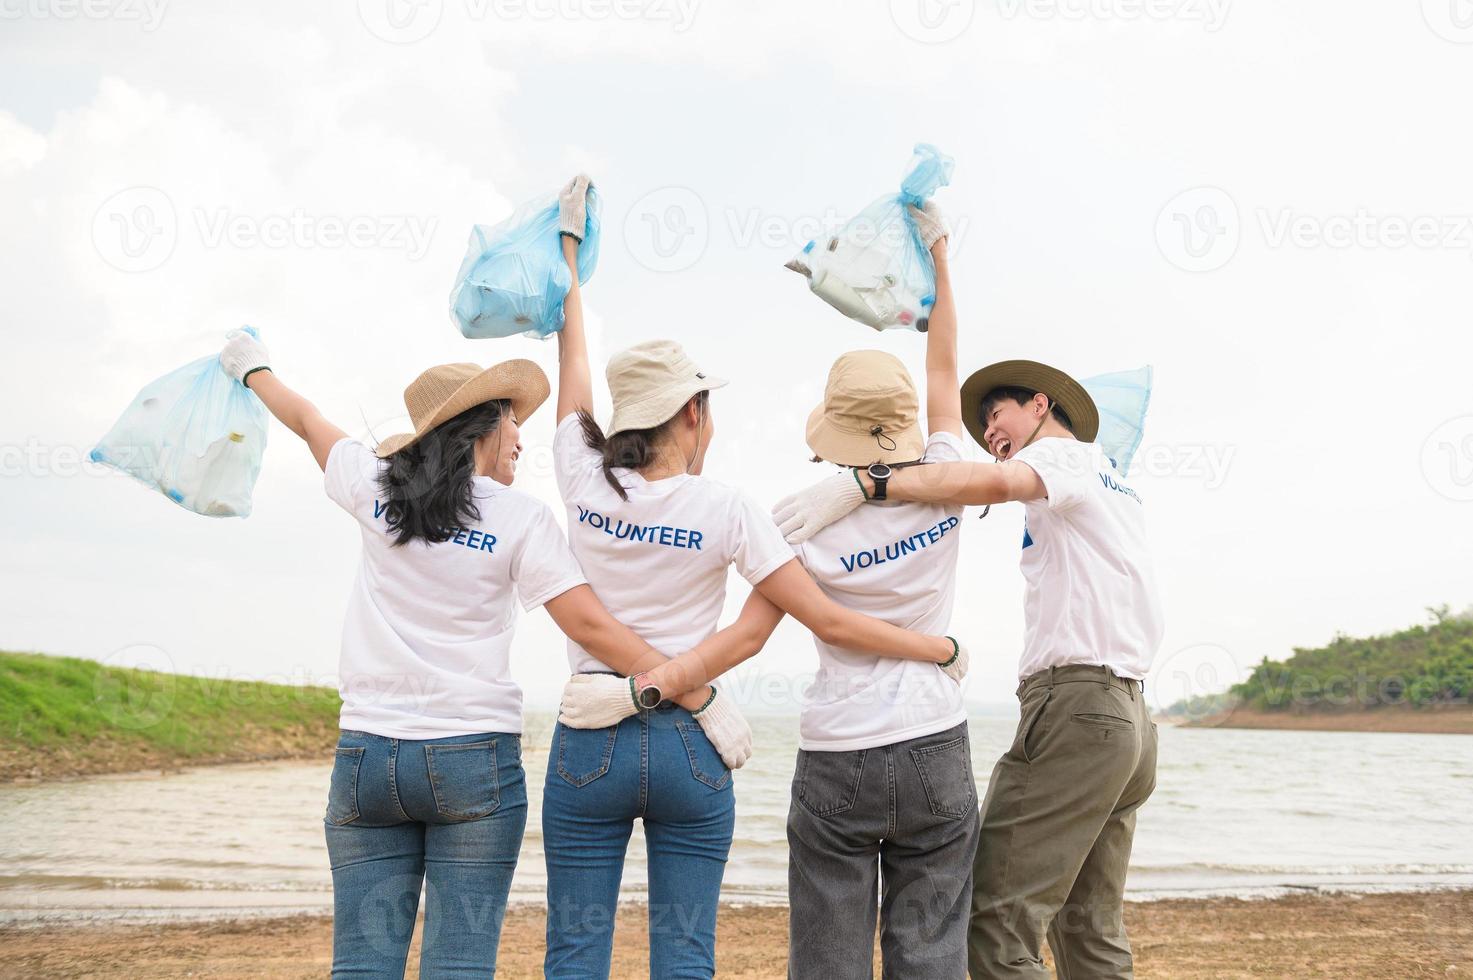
(646, 696)
(880, 473)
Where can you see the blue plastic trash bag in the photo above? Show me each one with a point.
(196, 435)
(1122, 399)
(875, 269)
(514, 278)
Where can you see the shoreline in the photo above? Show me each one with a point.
(1388, 720)
(1390, 935)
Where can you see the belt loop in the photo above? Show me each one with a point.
(1051, 672)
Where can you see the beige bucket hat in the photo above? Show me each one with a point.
(1065, 392)
(446, 390)
(870, 412)
(650, 382)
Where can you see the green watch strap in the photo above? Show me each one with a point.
(706, 705)
(246, 377)
(956, 651)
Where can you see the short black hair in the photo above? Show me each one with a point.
(1022, 396)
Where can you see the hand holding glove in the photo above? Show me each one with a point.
(959, 665)
(727, 730)
(596, 701)
(572, 207)
(930, 222)
(242, 354)
(802, 515)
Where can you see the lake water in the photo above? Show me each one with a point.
(1250, 813)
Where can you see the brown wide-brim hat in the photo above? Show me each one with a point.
(1061, 389)
(870, 413)
(446, 390)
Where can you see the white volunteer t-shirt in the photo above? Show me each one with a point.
(427, 638)
(658, 560)
(1091, 595)
(896, 562)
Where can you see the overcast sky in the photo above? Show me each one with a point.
(1268, 202)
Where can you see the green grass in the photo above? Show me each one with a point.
(68, 705)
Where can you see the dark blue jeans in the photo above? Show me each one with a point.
(447, 813)
(659, 767)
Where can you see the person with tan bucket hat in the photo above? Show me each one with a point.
(655, 538)
(427, 787)
(1059, 815)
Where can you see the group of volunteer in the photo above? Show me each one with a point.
(428, 794)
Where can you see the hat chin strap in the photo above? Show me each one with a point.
(1038, 428)
(700, 424)
(1034, 435)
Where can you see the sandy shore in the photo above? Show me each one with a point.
(1452, 720)
(1396, 937)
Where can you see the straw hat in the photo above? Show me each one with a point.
(869, 414)
(446, 390)
(1065, 392)
(650, 382)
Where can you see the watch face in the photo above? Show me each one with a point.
(879, 471)
(650, 697)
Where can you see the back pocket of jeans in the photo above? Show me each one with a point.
(828, 782)
(463, 779)
(342, 792)
(705, 761)
(584, 754)
(946, 774)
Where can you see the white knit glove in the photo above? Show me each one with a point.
(596, 701)
(572, 207)
(801, 515)
(242, 354)
(930, 222)
(959, 667)
(727, 730)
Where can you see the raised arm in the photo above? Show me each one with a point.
(580, 615)
(943, 388)
(245, 359)
(574, 382)
(794, 591)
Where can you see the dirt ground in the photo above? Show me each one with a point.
(1396, 937)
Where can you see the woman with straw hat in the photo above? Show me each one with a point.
(655, 539)
(427, 786)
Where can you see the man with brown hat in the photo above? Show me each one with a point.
(1059, 815)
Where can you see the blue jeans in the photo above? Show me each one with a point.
(657, 766)
(446, 812)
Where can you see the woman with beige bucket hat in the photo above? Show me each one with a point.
(655, 538)
(427, 788)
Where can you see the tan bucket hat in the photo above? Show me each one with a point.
(1065, 392)
(870, 412)
(650, 382)
(446, 390)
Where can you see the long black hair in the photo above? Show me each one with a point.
(427, 485)
(632, 448)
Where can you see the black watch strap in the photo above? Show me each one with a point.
(880, 482)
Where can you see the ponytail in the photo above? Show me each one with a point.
(631, 449)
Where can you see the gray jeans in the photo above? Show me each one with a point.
(898, 822)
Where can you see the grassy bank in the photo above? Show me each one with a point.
(62, 716)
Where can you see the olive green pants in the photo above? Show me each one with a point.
(1056, 830)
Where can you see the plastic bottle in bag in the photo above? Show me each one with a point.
(875, 269)
(196, 435)
(514, 278)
